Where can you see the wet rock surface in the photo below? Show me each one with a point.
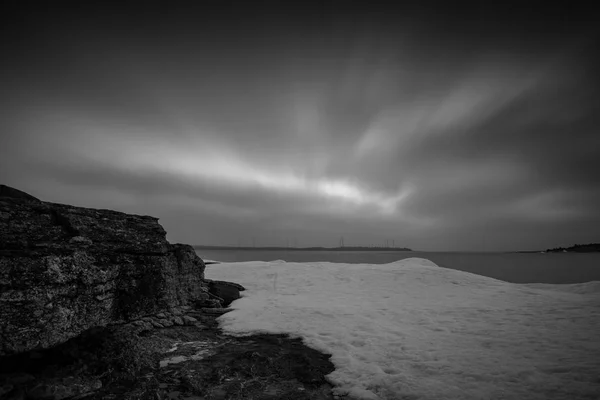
(196, 361)
(206, 364)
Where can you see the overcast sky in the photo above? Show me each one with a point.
(440, 129)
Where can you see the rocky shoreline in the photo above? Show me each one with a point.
(97, 304)
(192, 361)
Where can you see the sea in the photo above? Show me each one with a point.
(556, 268)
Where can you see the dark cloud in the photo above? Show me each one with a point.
(433, 126)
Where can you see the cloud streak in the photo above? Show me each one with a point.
(371, 128)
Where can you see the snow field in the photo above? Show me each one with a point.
(413, 330)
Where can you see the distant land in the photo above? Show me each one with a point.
(578, 248)
(345, 248)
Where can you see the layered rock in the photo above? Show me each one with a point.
(66, 269)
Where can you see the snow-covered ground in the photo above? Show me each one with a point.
(413, 330)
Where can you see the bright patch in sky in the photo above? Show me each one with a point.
(411, 329)
(341, 189)
(223, 166)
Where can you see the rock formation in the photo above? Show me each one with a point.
(227, 291)
(66, 269)
(97, 304)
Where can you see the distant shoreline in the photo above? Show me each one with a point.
(345, 248)
(578, 248)
(573, 249)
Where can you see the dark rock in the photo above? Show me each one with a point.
(63, 388)
(16, 378)
(249, 367)
(66, 269)
(227, 291)
(177, 312)
(7, 191)
(6, 388)
(157, 324)
(216, 311)
(189, 320)
(147, 326)
(80, 239)
(165, 322)
(212, 364)
(203, 297)
(212, 303)
(16, 394)
(239, 287)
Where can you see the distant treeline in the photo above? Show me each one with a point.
(345, 248)
(578, 248)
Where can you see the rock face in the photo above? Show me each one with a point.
(65, 269)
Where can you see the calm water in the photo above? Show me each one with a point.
(510, 267)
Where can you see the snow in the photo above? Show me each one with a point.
(413, 330)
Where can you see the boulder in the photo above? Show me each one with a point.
(66, 269)
(227, 291)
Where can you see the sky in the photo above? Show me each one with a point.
(447, 128)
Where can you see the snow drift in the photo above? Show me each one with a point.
(413, 330)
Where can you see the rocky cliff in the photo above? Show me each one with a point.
(66, 269)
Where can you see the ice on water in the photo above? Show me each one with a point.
(413, 330)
